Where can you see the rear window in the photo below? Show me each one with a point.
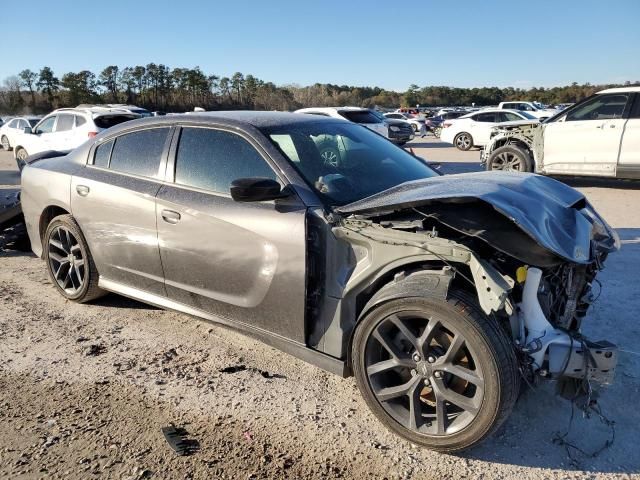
(139, 153)
(108, 121)
(360, 116)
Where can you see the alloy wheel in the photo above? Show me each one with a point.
(424, 373)
(463, 142)
(508, 162)
(22, 154)
(66, 260)
(5, 143)
(330, 158)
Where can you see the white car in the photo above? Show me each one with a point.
(14, 127)
(65, 129)
(416, 123)
(600, 136)
(474, 129)
(352, 114)
(530, 107)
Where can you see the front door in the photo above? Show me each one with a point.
(629, 161)
(240, 261)
(113, 201)
(587, 140)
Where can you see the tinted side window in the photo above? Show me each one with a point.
(485, 117)
(212, 159)
(509, 117)
(65, 122)
(600, 107)
(360, 116)
(139, 153)
(103, 153)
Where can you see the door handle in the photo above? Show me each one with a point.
(170, 216)
(82, 190)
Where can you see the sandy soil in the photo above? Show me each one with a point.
(86, 389)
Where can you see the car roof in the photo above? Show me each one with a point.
(332, 109)
(620, 90)
(236, 118)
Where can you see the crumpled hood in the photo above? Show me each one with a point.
(556, 216)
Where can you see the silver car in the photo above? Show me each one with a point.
(438, 293)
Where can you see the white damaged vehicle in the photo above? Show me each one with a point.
(599, 136)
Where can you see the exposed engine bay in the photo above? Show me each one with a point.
(538, 279)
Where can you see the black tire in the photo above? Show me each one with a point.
(21, 157)
(510, 158)
(84, 275)
(463, 141)
(5, 143)
(486, 346)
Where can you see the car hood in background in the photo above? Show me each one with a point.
(506, 210)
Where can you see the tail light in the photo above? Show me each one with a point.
(446, 124)
(92, 134)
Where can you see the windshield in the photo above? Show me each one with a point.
(346, 162)
(361, 116)
(527, 115)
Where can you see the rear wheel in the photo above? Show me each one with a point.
(510, 159)
(463, 141)
(5, 143)
(69, 262)
(437, 372)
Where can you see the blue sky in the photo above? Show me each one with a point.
(388, 44)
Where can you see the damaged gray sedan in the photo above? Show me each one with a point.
(438, 293)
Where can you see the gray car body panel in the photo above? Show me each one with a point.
(548, 211)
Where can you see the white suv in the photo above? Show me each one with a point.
(65, 129)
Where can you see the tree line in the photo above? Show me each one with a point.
(160, 88)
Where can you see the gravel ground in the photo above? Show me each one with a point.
(86, 389)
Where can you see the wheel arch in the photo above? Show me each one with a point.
(416, 279)
(48, 214)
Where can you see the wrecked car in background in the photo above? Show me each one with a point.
(438, 293)
(599, 136)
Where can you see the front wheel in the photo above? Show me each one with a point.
(69, 261)
(21, 157)
(510, 159)
(437, 372)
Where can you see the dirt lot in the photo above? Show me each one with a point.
(86, 389)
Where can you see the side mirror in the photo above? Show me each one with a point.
(255, 189)
(27, 130)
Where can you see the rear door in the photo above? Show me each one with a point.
(481, 125)
(629, 162)
(62, 136)
(113, 201)
(240, 261)
(587, 141)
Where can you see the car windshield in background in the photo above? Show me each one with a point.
(33, 122)
(345, 163)
(527, 115)
(108, 121)
(360, 116)
(142, 112)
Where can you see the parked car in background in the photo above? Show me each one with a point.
(14, 127)
(394, 130)
(474, 129)
(65, 129)
(530, 107)
(426, 288)
(418, 124)
(599, 136)
(435, 123)
(142, 112)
